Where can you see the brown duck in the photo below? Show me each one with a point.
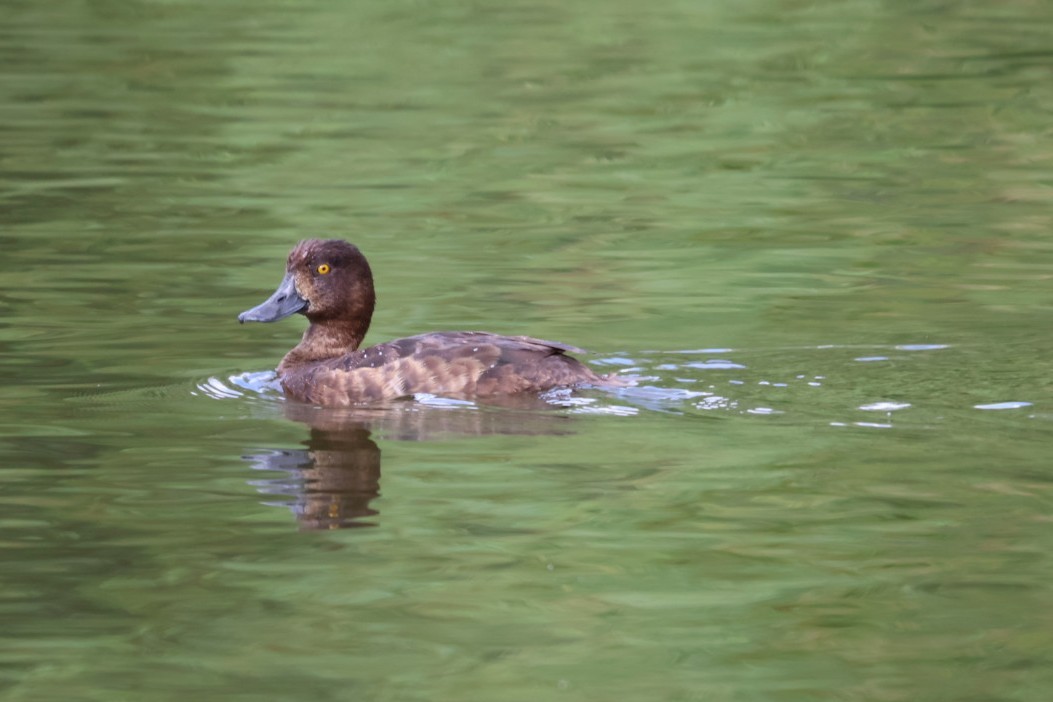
(331, 284)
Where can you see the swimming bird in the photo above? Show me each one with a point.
(330, 283)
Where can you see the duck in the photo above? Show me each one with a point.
(330, 283)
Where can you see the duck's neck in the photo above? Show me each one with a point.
(323, 341)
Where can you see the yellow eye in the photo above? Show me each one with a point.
(324, 268)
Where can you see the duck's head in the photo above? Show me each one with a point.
(327, 281)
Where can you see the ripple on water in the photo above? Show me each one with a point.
(810, 384)
(884, 406)
(262, 384)
(922, 347)
(1003, 405)
(715, 364)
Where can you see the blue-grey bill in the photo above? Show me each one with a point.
(284, 302)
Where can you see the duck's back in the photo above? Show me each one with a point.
(454, 364)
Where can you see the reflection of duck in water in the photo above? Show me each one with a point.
(332, 481)
(330, 283)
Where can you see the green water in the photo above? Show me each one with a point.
(820, 232)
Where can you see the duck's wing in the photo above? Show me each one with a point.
(454, 364)
(457, 342)
(551, 346)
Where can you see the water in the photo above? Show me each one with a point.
(819, 233)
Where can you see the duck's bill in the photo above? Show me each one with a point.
(284, 302)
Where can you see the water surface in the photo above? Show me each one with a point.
(819, 233)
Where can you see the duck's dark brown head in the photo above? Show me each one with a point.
(328, 281)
